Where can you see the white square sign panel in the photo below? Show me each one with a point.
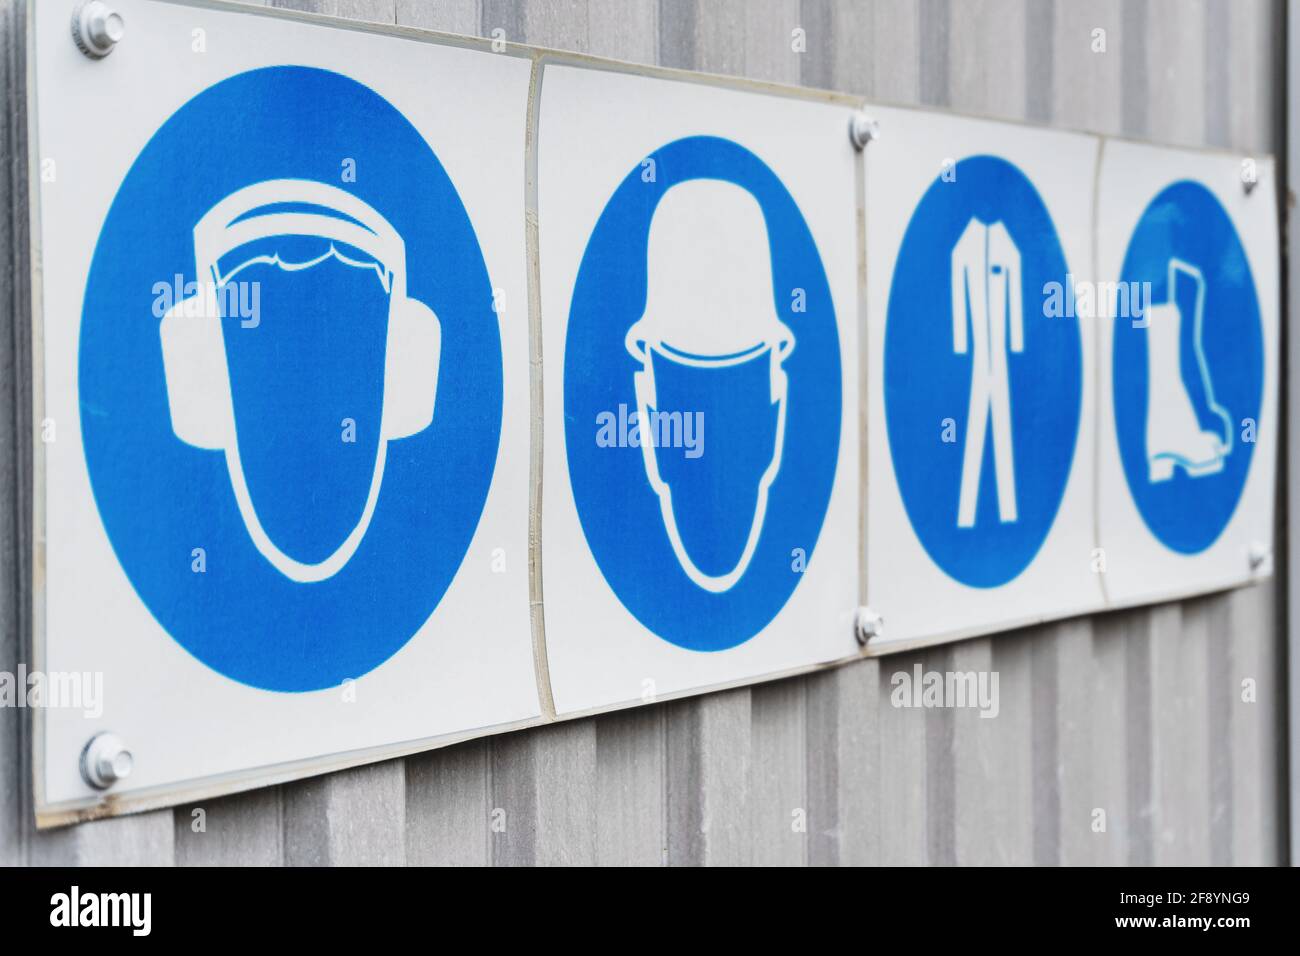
(980, 400)
(699, 304)
(282, 469)
(1188, 413)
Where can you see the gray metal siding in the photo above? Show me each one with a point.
(1138, 713)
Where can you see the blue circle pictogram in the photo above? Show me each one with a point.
(1189, 369)
(983, 372)
(290, 378)
(702, 316)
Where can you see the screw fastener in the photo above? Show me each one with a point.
(862, 130)
(105, 760)
(1249, 175)
(96, 28)
(1259, 553)
(867, 624)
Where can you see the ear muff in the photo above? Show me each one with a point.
(198, 393)
(194, 349)
(410, 368)
(194, 364)
(194, 353)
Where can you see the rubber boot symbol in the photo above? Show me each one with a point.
(1175, 437)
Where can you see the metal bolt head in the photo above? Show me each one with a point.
(862, 130)
(105, 760)
(1259, 554)
(97, 28)
(867, 624)
(1249, 175)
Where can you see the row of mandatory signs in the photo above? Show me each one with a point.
(699, 251)
(1064, 456)
(375, 306)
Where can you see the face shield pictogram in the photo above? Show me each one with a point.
(710, 349)
(332, 272)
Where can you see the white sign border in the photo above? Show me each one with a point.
(1155, 573)
(510, 247)
(110, 805)
(896, 548)
(632, 652)
(47, 816)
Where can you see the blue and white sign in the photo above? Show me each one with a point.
(1003, 383)
(698, 322)
(286, 486)
(283, 418)
(1189, 412)
(981, 412)
(321, 477)
(735, 418)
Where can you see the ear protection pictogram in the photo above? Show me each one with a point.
(194, 351)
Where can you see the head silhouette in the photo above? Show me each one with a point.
(709, 347)
(336, 322)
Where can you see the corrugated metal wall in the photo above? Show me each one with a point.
(1138, 713)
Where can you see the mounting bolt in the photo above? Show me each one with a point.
(1258, 554)
(1249, 175)
(867, 624)
(105, 760)
(862, 130)
(96, 28)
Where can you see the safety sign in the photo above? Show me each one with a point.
(1187, 404)
(285, 455)
(698, 310)
(392, 390)
(980, 402)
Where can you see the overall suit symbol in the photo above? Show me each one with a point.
(986, 288)
(982, 398)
